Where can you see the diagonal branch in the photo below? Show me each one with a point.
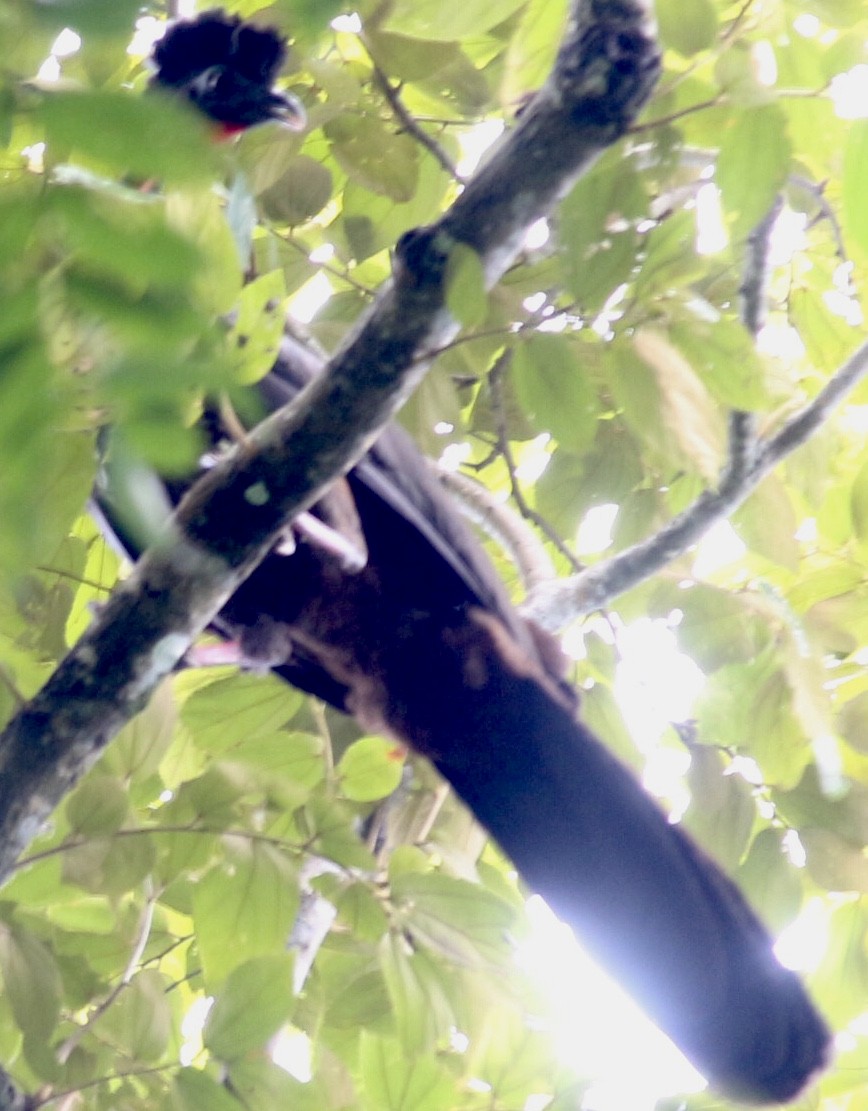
(595, 588)
(605, 70)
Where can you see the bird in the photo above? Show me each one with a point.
(225, 68)
(386, 606)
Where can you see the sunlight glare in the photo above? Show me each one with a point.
(351, 23)
(537, 235)
(293, 1052)
(849, 93)
(454, 456)
(533, 458)
(306, 303)
(475, 143)
(720, 546)
(711, 233)
(803, 943)
(765, 63)
(655, 683)
(807, 25)
(49, 71)
(148, 32)
(594, 533)
(325, 252)
(192, 1025)
(781, 340)
(66, 43)
(607, 1028)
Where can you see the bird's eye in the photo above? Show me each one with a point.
(207, 81)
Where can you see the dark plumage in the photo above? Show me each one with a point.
(226, 68)
(423, 644)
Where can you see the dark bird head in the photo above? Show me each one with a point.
(226, 68)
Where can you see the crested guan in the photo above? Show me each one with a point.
(418, 640)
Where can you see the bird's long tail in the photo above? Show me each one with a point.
(642, 896)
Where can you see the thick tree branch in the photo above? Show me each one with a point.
(605, 70)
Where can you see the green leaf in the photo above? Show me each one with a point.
(140, 746)
(767, 522)
(724, 356)
(31, 981)
(667, 264)
(688, 26)
(128, 239)
(256, 1000)
(856, 172)
(686, 410)
(859, 505)
(110, 865)
(311, 17)
(553, 389)
(302, 190)
(411, 58)
(834, 863)
(331, 833)
(515, 1059)
(90, 17)
(194, 1090)
(466, 297)
(382, 161)
(417, 989)
(753, 165)
(371, 768)
(360, 1002)
(722, 811)
(769, 881)
(809, 805)
(99, 805)
(460, 920)
(151, 136)
(372, 223)
(258, 326)
(431, 19)
(838, 580)
(244, 908)
(716, 627)
(236, 709)
(841, 982)
(199, 216)
(295, 759)
(749, 707)
(597, 237)
(264, 1086)
(532, 48)
(139, 1022)
(853, 721)
(392, 1081)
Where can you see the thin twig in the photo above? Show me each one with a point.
(495, 379)
(146, 920)
(407, 122)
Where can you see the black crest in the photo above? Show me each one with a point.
(226, 68)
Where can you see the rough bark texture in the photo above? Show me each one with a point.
(604, 73)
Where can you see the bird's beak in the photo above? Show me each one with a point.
(288, 111)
